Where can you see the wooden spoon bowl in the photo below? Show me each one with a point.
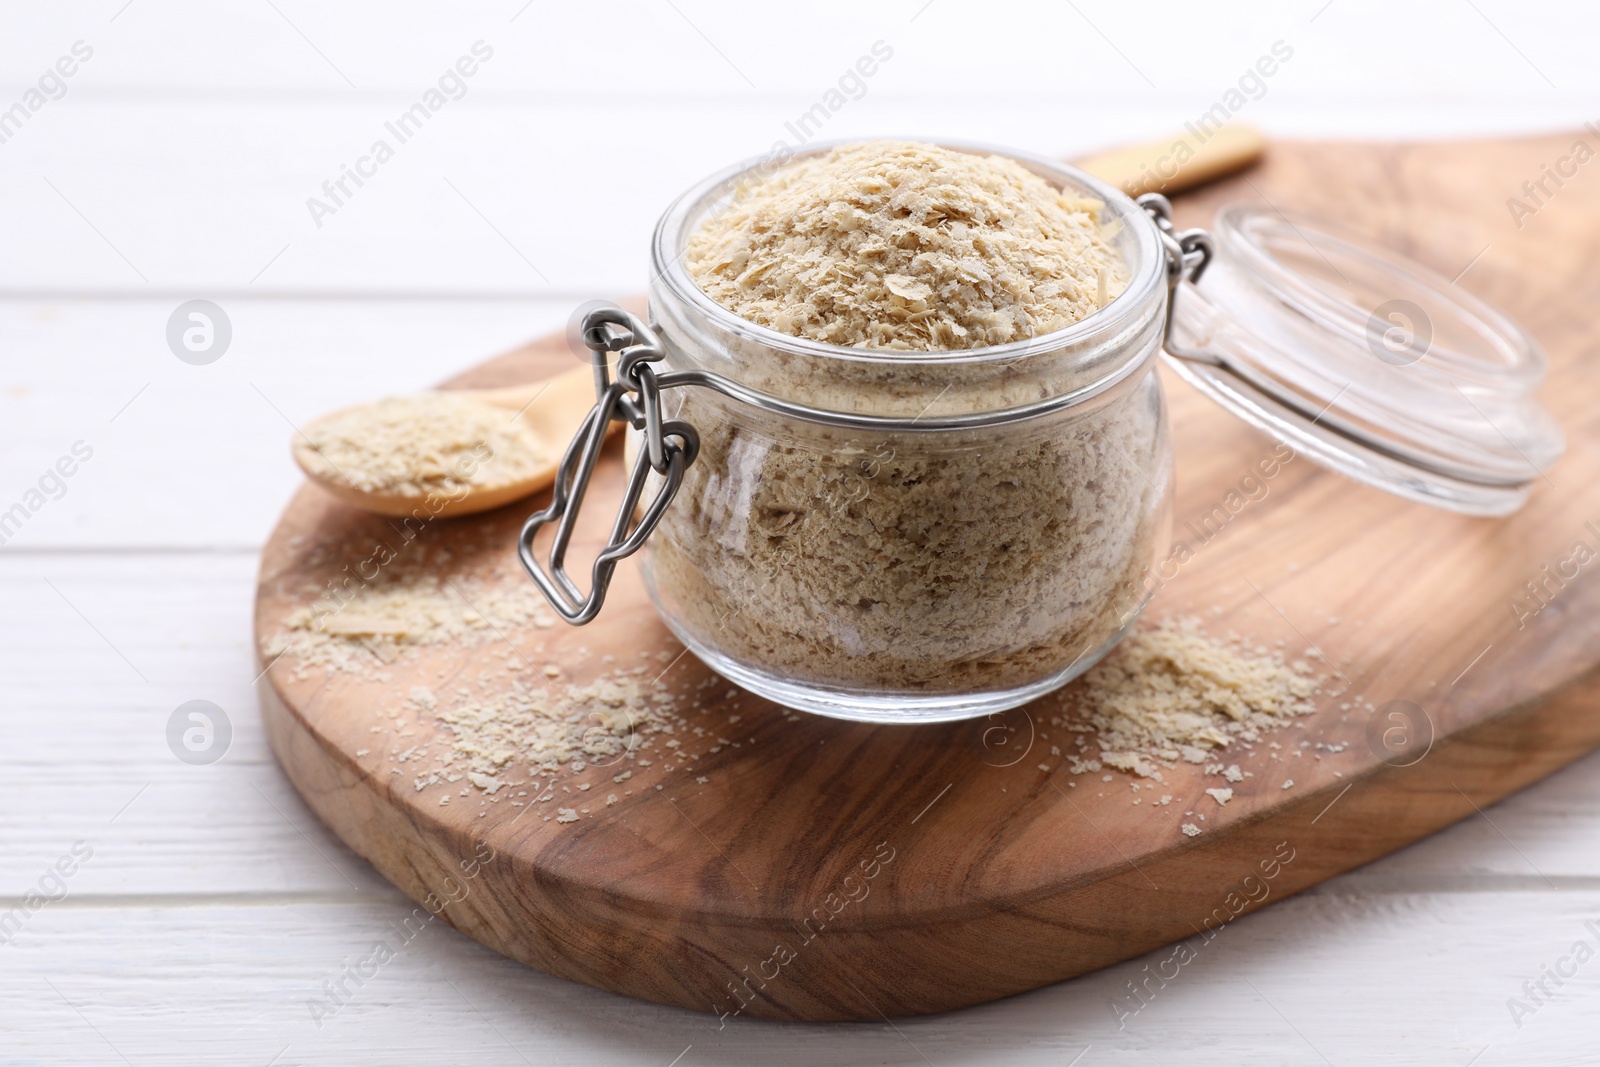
(547, 413)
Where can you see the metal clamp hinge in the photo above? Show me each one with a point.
(1189, 252)
(670, 446)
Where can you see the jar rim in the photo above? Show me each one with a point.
(1146, 275)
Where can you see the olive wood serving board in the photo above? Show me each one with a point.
(828, 870)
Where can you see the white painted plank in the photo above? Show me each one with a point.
(199, 456)
(131, 183)
(99, 651)
(1384, 980)
(193, 198)
(723, 47)
(136, 183)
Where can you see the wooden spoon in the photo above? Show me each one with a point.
(1181, 161)
(545, 413)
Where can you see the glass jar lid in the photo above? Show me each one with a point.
(1373, 365)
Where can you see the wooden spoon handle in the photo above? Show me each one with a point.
(553, 408)
(1179, 162)
(576, 381)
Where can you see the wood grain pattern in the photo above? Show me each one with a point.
(1004, 878)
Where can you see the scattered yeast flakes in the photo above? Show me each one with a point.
(907, 246)
(515, 727)
(359, 626)
(546, 729)
(1170, 693)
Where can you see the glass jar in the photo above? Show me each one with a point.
(921, 536)
(982, 543)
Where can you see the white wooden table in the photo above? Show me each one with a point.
(176, 164)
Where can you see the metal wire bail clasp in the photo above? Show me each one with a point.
(1189, 252)
(670, 446)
